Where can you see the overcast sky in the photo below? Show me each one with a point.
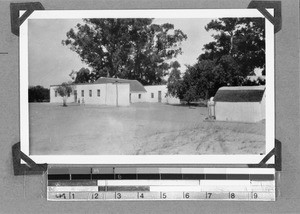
(51, 63)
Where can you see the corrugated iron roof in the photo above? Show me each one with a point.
(240, 94)
(135, 86)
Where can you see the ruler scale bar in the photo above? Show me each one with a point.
(160, 176)
(127, 188)
(164, 195)
(108, 170)
(73, 188)
(98, 184)
(147, 182)
(72, 183)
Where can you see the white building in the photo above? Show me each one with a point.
(158, 93)
(102, 94)
(242, 104)
(114, 92)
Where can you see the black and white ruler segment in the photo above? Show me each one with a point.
(91, 184)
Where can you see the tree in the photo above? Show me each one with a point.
(258, 81)
(199, 80)
(38, 94)
(126, 48)
(64, 90)
(174, 81)
(241, 38)
(81, 76)
(238, 48)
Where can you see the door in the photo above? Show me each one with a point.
(159, 96)
(75, 96)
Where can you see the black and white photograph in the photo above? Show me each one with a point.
(147, 83)
(162, 106)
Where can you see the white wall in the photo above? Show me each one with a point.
(59, 99)
(94, 99)
(263, 106)
(122, 90)
(172, 100)
(135, 97)
(107, 94)
(155, 89)
(239, 111)
(123, 94)
(54, 99)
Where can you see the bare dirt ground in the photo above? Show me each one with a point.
(141, 129)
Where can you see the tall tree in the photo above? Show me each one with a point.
(82, 76)
(174, 81)
(126, 48)
(238, 48)
(241, 38)
(199, 80)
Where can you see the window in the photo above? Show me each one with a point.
(82, 93)
(140, 96)
(152, 95)
(55, 93)
(98, 92)
(90, 93)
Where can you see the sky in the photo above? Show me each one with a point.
(50, 63)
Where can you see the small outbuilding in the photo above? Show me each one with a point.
(241, 104)
(159, 94)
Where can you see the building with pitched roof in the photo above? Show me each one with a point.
(114, 92)
(241, 104)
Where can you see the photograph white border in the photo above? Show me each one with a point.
(147, 159)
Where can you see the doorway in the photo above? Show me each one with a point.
(159, 96)
(75, 96)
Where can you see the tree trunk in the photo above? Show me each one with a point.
(137, 63)
(232, 37)
(231, 43)
(64, 101)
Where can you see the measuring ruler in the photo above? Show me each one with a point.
(100, 184)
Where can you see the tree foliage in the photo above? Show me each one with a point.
(38, 94)
(198, 80)
(238, 48)
(174, 81)
(258, 81)
(84, 75)
(241, 38)
(126, 48)
(64, 90)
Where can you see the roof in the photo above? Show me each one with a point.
(135, 86)
(240, 94)
(165, 85)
